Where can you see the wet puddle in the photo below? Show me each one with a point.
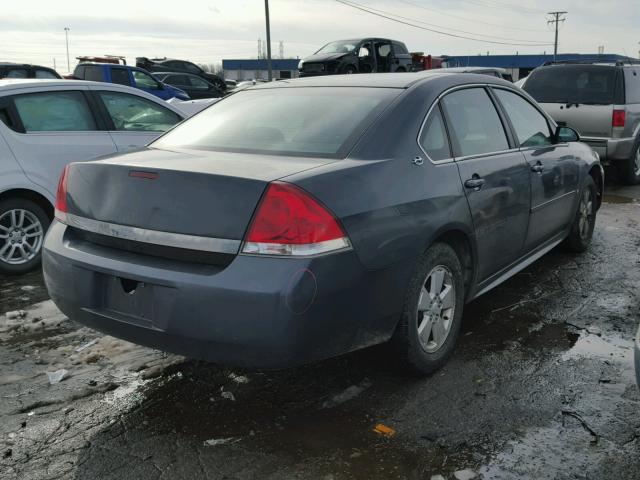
(619, 199)
(606, 348)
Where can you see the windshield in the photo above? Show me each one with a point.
(289, 121)
(573, 84)
(338, 47)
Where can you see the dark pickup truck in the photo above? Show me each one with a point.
(362, 55)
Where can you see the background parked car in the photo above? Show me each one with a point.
(25, 70)
(129, 76)
(196, 87)
(601, 101)
(44, 125)
(324, 215)
(181, 66)
(361, 55)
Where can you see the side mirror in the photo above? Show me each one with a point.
(566, 134)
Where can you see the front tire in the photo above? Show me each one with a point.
(349, 70)
(23, 224)
(432, 313)
(584, 222)
(629, 170)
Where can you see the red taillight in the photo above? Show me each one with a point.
(619, 118)
(291, 222)
(61, 195)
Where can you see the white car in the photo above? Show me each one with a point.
(46, 124)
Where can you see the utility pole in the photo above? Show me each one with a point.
(557, 21)
(66, 34)
(266, 14)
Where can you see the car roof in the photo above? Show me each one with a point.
(14, 64)
(474, 69)
(9, 86)
(379, 80)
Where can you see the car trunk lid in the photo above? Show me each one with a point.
(587, 120)
(187, 192)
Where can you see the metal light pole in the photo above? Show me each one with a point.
(66, 35)
(266, 14)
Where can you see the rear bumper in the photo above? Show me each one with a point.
(257, 312)
(611, 149)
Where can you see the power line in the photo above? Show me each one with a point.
(364, 9)
(503, 6)
(458, 17)
(532, 42)
(557, 21)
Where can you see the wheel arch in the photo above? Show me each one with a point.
(37, 198)
(460, 238)
(597, 174)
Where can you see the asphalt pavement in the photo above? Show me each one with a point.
(541, 386)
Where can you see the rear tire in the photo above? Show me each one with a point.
(584, 222)
(629, 170)
(432, 313)
(23, 225)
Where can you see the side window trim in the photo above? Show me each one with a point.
(514, 135)
(427, 117)
(452, 138)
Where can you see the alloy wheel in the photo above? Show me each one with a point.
(585, 214)
(436, 308)
(21, 236)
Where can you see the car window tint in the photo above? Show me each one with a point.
(532, 128)
(289, 121)
(44, 74)
(400, 48)
(573, 83)
(198, 83)
(54, 112)
(434, 139)
(120, 76)
(144, 80)
(181, 80)
(93, 74)
(17, 73)
(474, 123)
(132, 113)
(190, 67)
(5, 118)
(632, 85)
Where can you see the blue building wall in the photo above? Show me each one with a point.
(527, 62)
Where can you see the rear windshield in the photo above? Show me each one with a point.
(588, 84)
(313, 121)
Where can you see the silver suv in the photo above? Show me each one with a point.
(601, 102)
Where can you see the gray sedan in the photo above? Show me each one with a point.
(300, 220)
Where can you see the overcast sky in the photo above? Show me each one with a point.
(206, 31)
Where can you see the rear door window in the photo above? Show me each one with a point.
(433, 138)
(60, 111)
(17, 73)
(532, 128)
(39, 73)
(144, 80)
(474, 123)
(132, 113)
(585, 84)
(120, 76)
(93, 73)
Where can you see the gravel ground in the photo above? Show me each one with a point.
(540, 387)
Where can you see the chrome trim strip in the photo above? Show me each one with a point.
(155, 237)
(542, 205)
(295, 250)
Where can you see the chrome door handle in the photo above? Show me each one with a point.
(537, 168)
(474, 183)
